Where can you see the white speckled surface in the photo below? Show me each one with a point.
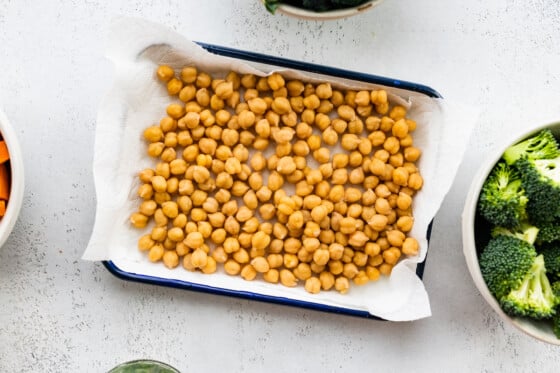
(58, 313)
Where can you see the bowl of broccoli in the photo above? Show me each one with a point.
(511, 232)
(320, 9)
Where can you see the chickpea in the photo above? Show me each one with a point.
(155, 149)
(410, 246)
(391, 255)
(295, 88)
(145, 242)
(248, 272)
(241, 256)
(210, 266)
(281, 105)
(311, 102)
(396, 160)
(165, 73)
(350, 270)
(356, 176)
(336, 251)
(272, 276)
(275, 181)
(321, 256)
(160, 219)
(346, 112)
(170, 259)
(400, 176)
(260, 240)
(319, 213)
(199, 258)
(361, 278)
(232, 267)
(313, 285)
(287, 278)
(275, 81)
(358, 239)
(153, 134)
(148, 208)
(405, 223)
(286, 165)
(342, 285)
(156, 253)
(314, 142)
(415, 181)
(355, 159)
(175, 234)
(168, 155)
(392, 145)
(411, 154)
(322, 155)
(348, 225)
(302, 271)
(382, 206)
(174, 86)
(339, 176)
(324, 91)
(311, 244)
(138, 220)
(194, 240)
(326, 107)
(161, 197)
(325, 281)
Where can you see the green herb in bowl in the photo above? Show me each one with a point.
(143, 366)
(314, 5)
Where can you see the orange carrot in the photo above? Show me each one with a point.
(4, 155)
(2, 208)
(4, 182)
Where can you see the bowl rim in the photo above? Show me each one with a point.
(17, 186)
(328, 15)
(527, 326)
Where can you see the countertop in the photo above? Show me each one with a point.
(59, 313)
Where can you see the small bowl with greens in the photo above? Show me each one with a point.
(511, 232)
(320, 9)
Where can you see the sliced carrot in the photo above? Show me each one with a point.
(4, 155)
(2, 207)
(4, 181)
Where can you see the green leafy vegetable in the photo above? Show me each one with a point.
(314, 5)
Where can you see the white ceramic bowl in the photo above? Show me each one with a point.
(540, 330)
(328, 15)
(8, 221)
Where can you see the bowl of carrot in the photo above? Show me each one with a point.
(11, 178)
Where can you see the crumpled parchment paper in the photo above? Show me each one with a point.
(137, 100)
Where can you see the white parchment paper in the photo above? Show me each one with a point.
(137, 100)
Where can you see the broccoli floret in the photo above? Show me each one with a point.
(556, 317)
(551, 254)
(534, 297)
(541, 181)
(502, 199)
(549, 232)
(517, 277)
(541, 146)
(524, 231)
(556, 290)
(504, 263)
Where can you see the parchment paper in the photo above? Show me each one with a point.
(137, 100)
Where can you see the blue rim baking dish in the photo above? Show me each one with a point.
(306, 67)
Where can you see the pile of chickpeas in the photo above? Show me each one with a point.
(291, 182)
